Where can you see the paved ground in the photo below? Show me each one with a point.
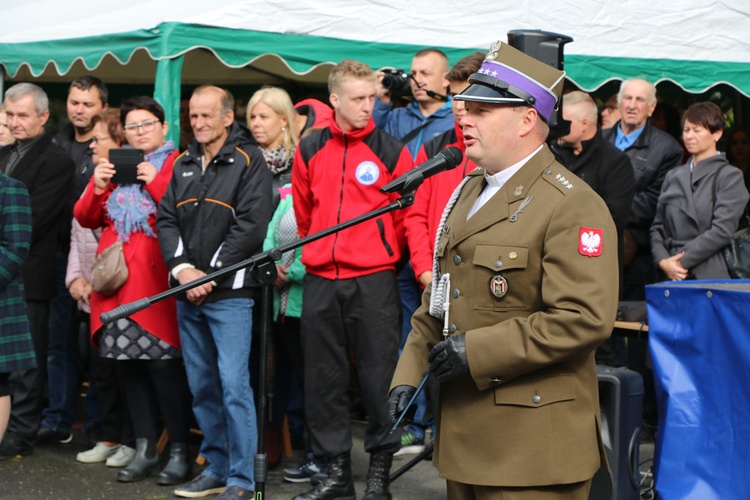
(51, 472)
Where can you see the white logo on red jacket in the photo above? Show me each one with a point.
(367, 173)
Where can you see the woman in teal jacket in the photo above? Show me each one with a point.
(287, 308)
(282, 230)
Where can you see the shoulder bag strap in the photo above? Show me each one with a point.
(411, 135)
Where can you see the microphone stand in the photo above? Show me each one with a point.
(265, 267)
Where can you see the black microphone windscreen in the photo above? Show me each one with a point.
(453, 155)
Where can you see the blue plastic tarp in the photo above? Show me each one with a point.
(699, 340)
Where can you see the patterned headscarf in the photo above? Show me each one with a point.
(129, 205)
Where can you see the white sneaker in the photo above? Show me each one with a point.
(97, 454)
(122, 457)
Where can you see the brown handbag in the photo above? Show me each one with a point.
(109, 271)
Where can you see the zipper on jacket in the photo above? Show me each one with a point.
(381, 228)
(341, 202)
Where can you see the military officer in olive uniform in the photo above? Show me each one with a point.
(531, 254)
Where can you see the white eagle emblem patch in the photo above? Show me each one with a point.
(590, 241)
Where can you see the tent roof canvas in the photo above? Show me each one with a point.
(695, 44)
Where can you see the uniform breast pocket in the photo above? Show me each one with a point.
(501, 282)
(535, 392)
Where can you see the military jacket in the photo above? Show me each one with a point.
(534, 283)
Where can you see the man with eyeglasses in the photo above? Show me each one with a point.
(610, 113)
(47, 173)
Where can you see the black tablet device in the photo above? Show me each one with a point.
(126, 161)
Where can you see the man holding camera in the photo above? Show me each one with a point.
(429, 114)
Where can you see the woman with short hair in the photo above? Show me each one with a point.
(146, 345)
(701, 203)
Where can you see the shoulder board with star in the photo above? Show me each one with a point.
(561, 178)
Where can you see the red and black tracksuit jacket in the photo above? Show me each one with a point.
(337, 176)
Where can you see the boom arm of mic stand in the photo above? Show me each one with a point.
(130, 308)
(125, 310)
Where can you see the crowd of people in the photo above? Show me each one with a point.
(527, 236)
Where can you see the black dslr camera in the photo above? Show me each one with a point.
(396, 80)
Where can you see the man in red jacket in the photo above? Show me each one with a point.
(422, 219)
(350, 299)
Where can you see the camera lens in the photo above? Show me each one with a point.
(395, 80)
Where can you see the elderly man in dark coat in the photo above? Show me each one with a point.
(47, 173)
(609, 172)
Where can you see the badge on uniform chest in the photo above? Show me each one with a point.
(524, 204)
(499, 286)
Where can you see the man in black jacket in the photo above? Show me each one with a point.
(47, 173)
(653, 153)
(215, 213)
(609, 172)
(597, 162)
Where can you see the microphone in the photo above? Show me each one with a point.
(446, 159)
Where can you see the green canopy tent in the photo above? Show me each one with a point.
(695, 45)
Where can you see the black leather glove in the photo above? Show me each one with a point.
(448, 358)
(397, 401)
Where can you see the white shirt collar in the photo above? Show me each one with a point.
(497, 181)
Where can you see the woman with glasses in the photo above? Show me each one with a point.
(146, 345)
(114, 439)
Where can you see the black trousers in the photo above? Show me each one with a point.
(110, 398)
(638, 274)
(361, 315)
(27, 386)
(157, 386)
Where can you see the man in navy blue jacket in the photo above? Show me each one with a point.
(426, 117)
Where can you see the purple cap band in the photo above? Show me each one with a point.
(544, 99)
